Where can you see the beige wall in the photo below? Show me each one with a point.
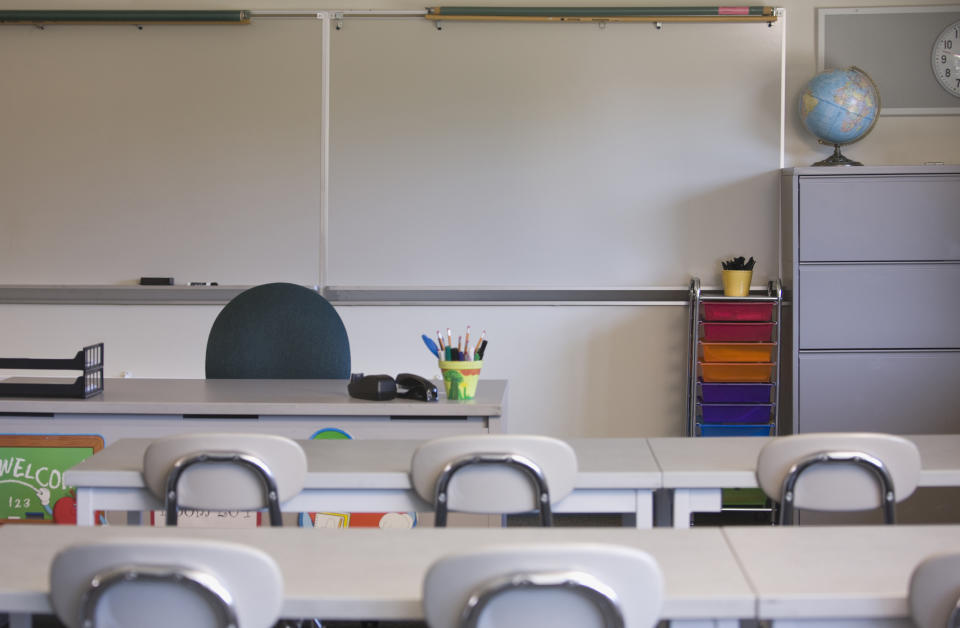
(613, 370)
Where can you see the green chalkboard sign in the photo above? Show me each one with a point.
(31, 476)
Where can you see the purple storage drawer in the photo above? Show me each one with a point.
(751, 413)
(728, 392)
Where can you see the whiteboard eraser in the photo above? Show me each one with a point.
(156, 281)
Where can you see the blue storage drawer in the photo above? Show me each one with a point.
(734, 430)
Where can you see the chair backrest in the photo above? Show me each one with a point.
(494, 473)
(278, 331)
(935, 592)
(838, 472)
(154, 583)
(224, 472)
(559, 585)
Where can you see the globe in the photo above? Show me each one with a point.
(839, 106)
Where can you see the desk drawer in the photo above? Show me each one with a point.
(909, 392)
(883, 306)
(910, 218)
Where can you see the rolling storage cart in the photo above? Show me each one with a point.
(733, 378)
(733, 364)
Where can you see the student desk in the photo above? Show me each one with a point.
(358, 574)
(836, 576)
(697, 469)
(130, 408)
(615, 475)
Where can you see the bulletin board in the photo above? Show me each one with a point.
(893, 45)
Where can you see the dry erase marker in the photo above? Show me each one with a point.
(483, 347)
(430, 345)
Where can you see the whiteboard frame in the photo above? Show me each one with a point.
(822, 14)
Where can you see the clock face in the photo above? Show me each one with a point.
(946, 59)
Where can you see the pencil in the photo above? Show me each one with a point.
(466, 340)
(440, 339)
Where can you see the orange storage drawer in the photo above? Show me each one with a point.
(736, 371)
(737, 351)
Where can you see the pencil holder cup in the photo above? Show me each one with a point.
(460, 378)
(736, 283)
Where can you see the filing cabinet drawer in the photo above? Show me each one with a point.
(884, 391)
(878, 218)
(881, 306)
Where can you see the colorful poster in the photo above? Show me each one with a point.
(31, 475)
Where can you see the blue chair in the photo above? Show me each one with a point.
(278, 331)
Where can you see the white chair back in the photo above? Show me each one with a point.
(558, 585)
(838, 471)
(935, 592)
(224, 472)
(158, 583)
(496, 473)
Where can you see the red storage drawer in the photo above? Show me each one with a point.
(737, 332)
(737, 311)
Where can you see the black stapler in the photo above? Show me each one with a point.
(416, 387)
(372, 387)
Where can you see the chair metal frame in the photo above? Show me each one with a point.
(591, 588)
(516, 461)
(954, 620)
(255, 464)
(858, 458)
(207, 585)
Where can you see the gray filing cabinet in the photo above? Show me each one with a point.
(870, 262)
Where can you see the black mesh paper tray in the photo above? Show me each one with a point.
(89, 360)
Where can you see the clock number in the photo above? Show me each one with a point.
(947, 72)
(948, 44)
(943, 58)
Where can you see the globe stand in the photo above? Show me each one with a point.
(837, 158)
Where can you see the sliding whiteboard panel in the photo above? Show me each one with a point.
(176, 150)
(551, 155)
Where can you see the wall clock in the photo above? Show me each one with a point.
(946, 59)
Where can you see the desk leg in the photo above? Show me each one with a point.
(687, 501)
(85, 513)
(644, 508)
(21, 620)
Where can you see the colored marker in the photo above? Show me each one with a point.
(483, 336)
(483, 347)
(431, 345)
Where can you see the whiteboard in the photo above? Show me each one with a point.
(176, 150)
(551, 155)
